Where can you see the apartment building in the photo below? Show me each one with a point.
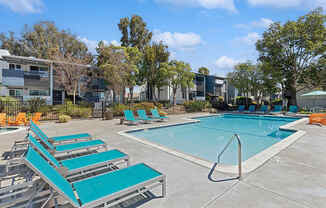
(27, 77)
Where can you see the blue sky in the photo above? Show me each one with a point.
(212, 33)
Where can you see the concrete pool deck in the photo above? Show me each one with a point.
(295, 177)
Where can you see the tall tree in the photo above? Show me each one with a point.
(42, 39)
(134, 32)
(119, 66)
(180, 76)
(71, 73)
(203, 70)
(240, 78)
(155, 58)
(293, 48)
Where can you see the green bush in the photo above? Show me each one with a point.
(64, 118)
(277, 102)
(196, 106)
(147, 106)
(35, 104)
(118, 109)
(241, 100)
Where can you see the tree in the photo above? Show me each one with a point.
(134, 32)
(71, 73)
(240, 78)
(119, 66)
(293, 48)
(203, 70)
(154, 63)
(180, 76)
(42, 39)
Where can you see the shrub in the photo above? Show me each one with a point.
(64, 118)
(35, 104)
(147, 106)
(196, 106)
(241, 100)
(277, 102)
(118, 109)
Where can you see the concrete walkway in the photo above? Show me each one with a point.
(296, 177)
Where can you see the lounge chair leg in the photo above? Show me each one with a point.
(164, 187)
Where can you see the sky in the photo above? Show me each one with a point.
(216, 34)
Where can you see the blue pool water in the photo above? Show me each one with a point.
(207, 137)
(4, 130)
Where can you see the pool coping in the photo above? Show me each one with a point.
(14, 131)
(247, 166)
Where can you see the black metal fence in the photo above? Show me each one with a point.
(52, 112)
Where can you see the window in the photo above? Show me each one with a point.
(15, 92)
(38, 93)
(34, 68)
(184, 93)
(12, 66)
(18, 67)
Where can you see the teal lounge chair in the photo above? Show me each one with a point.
(61, 139)
(277, 109)
(241, 108)
(142, 116)
(252, 109)
(156, 115)
(263, 109)
(71, 147)
(84, 164)
(100, 190)
(129, 116)
(292, 110)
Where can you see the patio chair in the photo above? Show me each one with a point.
(241, 108)
(36, 118)
(142, 116)
(129, 116)
(3, 119)
(277, 109)
(24, 194)
(60, 139)
(252, 109)
(317, 118)
(70, 147)
(292, 110)
(156, 115)
(105, 190)
(263, 109)
(84, 164)
(20, 119)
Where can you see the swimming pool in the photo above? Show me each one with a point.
(7, 130)
(204, 139)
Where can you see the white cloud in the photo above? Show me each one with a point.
(249, 39)
(207, 4)
(24, 6)
(114, 42)
(92, 44)
(226, 63)
(261, 23)
(289, 3)
(178, 40)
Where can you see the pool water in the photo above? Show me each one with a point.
(5, 130)
(209, 136)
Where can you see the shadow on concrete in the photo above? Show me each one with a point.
(219, 180)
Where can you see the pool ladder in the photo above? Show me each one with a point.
(235, 136)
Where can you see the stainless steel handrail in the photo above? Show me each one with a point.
(235, 136)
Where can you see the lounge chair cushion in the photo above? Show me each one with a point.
(71, 137)
(43, 150)
(92, 159)
(155, 114)
(79, 145)
(100, 186)
(48, 172)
